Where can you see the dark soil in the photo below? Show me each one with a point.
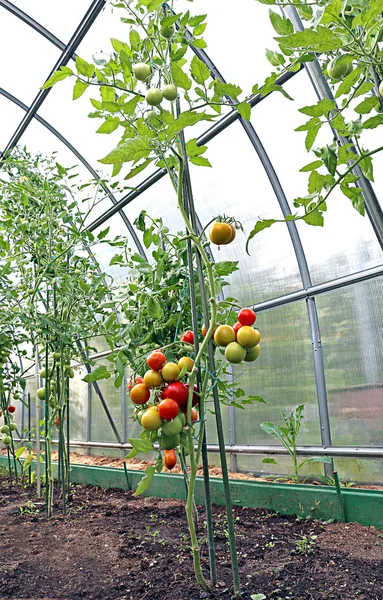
(114, 546)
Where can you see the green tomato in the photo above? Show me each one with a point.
(235, 353)
(167, 31)
(170, 92)
(381, 88)
(13, 426)
(56, 356)
(336, 71)
(142, 71)
(181, 416)
(71, 373)
(154, 96)
(151, 114)
(17, 396)
(252, 353)
(173, 427)
(169, 443)
(43, 373)
(6, 439)
(52, 402)
(41, 393)
(4, 429)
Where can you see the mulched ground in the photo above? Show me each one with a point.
(114, 546)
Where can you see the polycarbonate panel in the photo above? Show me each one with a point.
(235, 35)
(351, 324)
(371, 139)
(10, 117)
(27, 57)
(283, 376)
(357, 470)
(347, 242)
(101, 430)
(78, 396)
(252, 463)
(237, 186)
(60, 19)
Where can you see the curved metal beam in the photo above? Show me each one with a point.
(94, 174)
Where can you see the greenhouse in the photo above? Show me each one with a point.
(191, 279)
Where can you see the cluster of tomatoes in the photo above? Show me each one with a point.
(167, 415)
(6, 429)
(241, 342)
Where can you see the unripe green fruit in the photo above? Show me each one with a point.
(168, 443)
(52, 402)
(336, 71)
(142, 71)
(43, 373)
(154, 96)
(173, 427)
(253, 353)
(6, 439)
(167, 31)
(17, 396)
(41, 393)
(170, 92)
(235, 353)
(151, 114)
(13, 426)
(56, 355)
(381, 88)
(4, 429)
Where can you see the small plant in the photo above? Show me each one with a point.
(288, 434)
(28, 508)
(305, 545)
(258, 597)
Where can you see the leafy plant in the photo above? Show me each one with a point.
(288, 434)
(305, 545)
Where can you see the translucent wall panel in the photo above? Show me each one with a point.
(78, 395)
(283, 375)
(21, 47)
(238, 186)
(252, 463)
(371, 139)
(101, 430)
(351, 324)
(356, 470)
(60, 19)
(347, 242)
(10, 117)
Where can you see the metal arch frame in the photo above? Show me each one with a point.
(83, 161)
(323, 90)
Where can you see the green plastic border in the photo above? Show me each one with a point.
(316, 502)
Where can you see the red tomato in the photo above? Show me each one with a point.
(11, 408)
(195, 398)
(246, 316)
(177, 391)
(188, 337)
(156, 360)
(133, 383)
(57, 422)
(170, 459)
(168, 409)
(237, 326)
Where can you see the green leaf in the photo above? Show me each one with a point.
(322, 39)
(366, 87)
(145, 481)
(227, 89)
(100, 372)
(154, 308)
(194, 21)
(314, 218)
(344, 154)
(348, 82)
(109, 126)
(319, 459)
(180, 78)
(367, 105)
(373, 122)
(131, 150)
(107, 94)
(130, 106)
(199, 43)
(244, 110)
(134, 38)
(322, 108)
(281, 25)
(329, 158)
(199, 71)
(367, 168)
(62, 73)
(200, 161)
(311, 136)
(79, 88)
(225, 267)
(269, 461)
(311, 166)
(84, 68)
(275, 58)
(186, 119)
(193, 149)
(20, 451)
(331, 12)
(167, 21)
(27, 462)
(259, 226)
(133, 172)
(102, 234)
(274, 430)
(199, 30)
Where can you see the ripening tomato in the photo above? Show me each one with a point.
(237, 326)
(232, 235)
(11, 409)
(170, 459)
(156, 360)
(139, 394)
(168, 409)
(224, 335)
(57, 422)
(194, 415)
(188, 337)
(173, 427)
(253, 353)
(248, 337)
(185, 360)
(220, 233)
(132, 383)
(153, 379)
(151, 420)
(170, 371)
(177, 391)
(204, 331)
(246, 316)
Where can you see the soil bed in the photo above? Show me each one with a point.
(114, 546)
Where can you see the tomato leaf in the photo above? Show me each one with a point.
(133, 172)
(199, 71)
(130, 150)
(281, 25)
(100, 372)
(244, 110)
(20, 451)
(200, 161)
(145, 481)
(108, 126)
(367, 105)
(180, 78)
(154, 308)
(314, 218)
(62, 73)
(311, 166)
(259, 226)
(83, 67)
